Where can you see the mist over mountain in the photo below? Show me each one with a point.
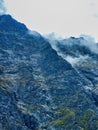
(46, 83)
(2, 7)
(77, 46)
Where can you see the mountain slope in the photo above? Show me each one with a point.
(39, 90)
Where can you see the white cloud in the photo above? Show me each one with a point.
(92, 4)
(2, 7)
(90, 43)
(95, 15)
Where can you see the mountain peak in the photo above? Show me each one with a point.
(9, 24)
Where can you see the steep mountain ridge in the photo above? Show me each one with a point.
(39, 90)
(83, 56)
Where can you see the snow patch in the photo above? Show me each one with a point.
(73, 60)
(87, 88)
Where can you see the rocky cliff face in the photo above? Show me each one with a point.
(39, 88)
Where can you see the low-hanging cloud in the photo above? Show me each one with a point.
(90, 43)
(95, 15)
(2, 7)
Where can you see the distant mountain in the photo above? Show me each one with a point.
(46, 84)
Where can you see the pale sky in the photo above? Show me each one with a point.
(65, 17)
